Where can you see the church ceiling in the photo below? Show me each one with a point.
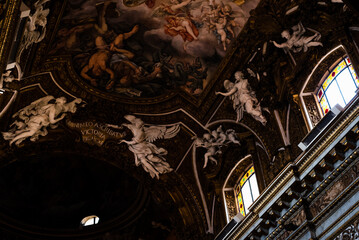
(149, 48)
(145, 86)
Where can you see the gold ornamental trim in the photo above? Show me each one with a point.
(8, 30)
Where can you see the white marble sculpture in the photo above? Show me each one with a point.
(214, 141)
(9, 77)
(34, 119)
(243, 98)
(296, 41)
(146, 153)
(35, 28)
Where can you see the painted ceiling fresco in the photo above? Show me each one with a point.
(143, 48)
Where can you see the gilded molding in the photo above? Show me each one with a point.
(351, 231)
(7, 31)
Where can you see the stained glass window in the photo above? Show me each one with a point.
(246, 191)
(90, 220)
(339, 87)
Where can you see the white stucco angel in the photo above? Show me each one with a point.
(9, 76)
(243, 98)
(32, 121)
(35, 28)
(146, 153)
(214, 141)
(296, 41)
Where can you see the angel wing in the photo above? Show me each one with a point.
(159, 132)
(160, 11)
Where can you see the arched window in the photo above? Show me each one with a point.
(90, 220)
(246, 191)
(240, 189)
(339, 87)
(332, 81)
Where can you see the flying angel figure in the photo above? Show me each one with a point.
(35, 28)
(243, 98)
(297, 41)
(146, 153)
(34, 119)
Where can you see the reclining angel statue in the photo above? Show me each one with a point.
(243, 98)
(33, 120)
(146, 153)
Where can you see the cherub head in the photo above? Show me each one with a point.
(227, 9)
(285, 34)
(61, 100)
(135, 121)
(238, 75)
(130, 118)
(220, 20)
(100, 42)
(207, 136)
(228, 85)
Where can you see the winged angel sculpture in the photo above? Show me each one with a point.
(35, 28)
(244, 99)
(146, 153)
(297, 41)
(34, 119)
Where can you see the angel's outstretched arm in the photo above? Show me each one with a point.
(231, 92)
(282, 45)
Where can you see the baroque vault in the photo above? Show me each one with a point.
(148, 113)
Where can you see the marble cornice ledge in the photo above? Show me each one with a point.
(246, 225)
(331, 136)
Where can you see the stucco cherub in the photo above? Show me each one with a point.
(296, 41)
(35, 28)
(214, 141)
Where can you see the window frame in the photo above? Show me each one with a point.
(307, 97)
(241, 186)
(336, 81)
(228, 189)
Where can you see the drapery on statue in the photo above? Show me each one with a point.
(146, 153)
(243, 98)
(34, 119)
(35, 28)
(296, 41)
(214, 141)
